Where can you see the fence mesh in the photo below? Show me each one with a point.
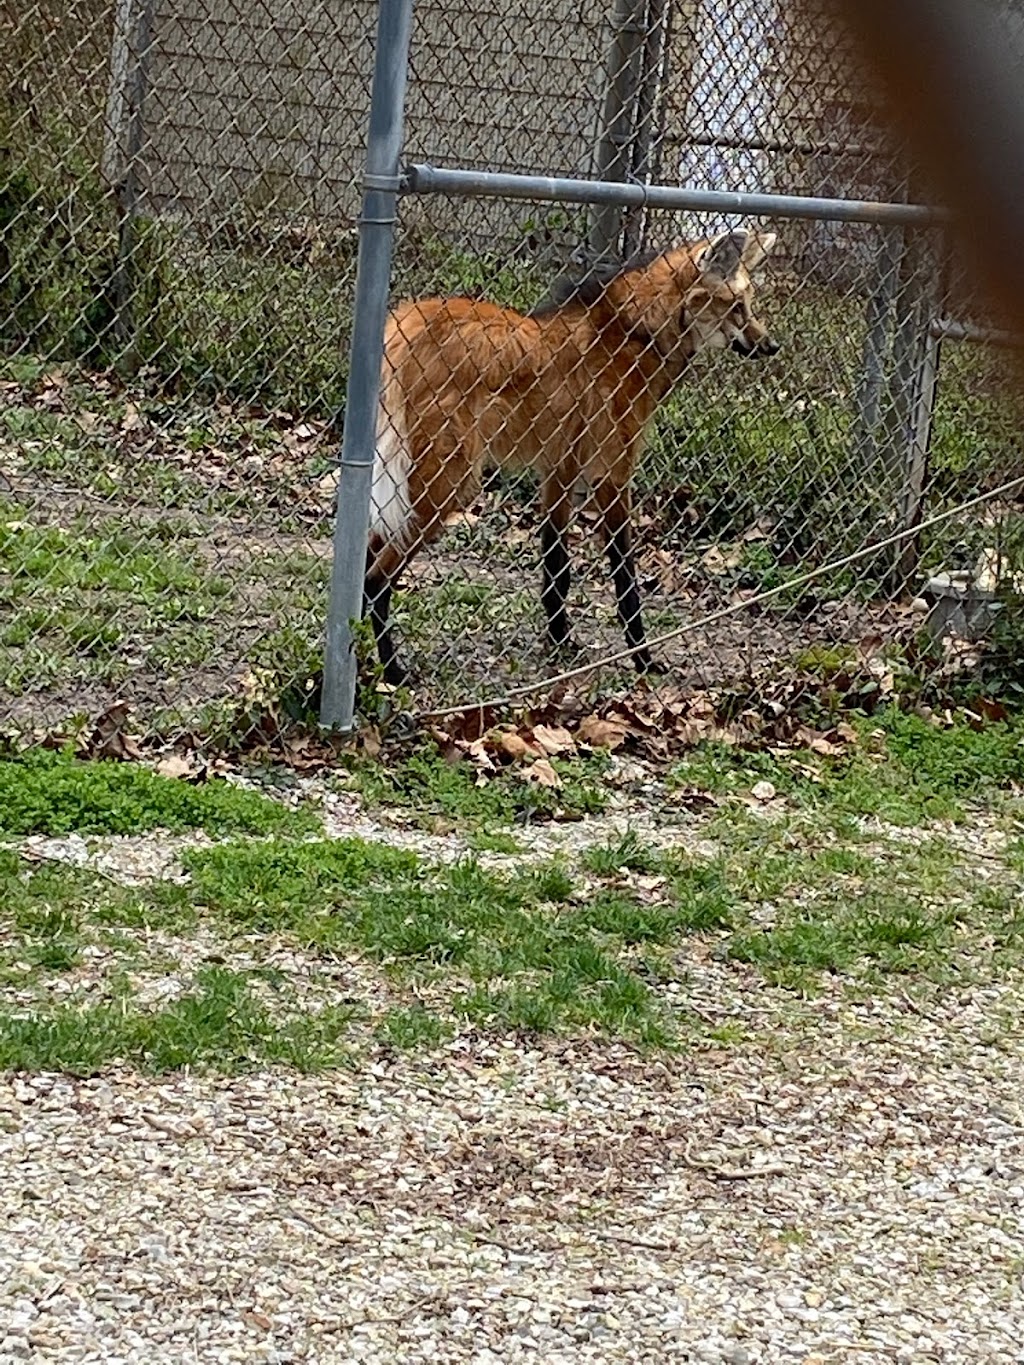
(179, 183)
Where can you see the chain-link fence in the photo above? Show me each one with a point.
(179, 184)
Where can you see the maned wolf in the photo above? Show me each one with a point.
(568, 390)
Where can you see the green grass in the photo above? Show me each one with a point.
(162, 907)
(604, 998)
(626, 853)
(527, 951)
(76, 602)
(47, 934)
(634, 921)
(71, 558)
(904, 770)
(895, 932)
(103, 466)
(862, 911)
(408, 1028)
(140, 607)
(536, 948)
(513, 937)
(585, 946)
(218, 1024)
(257, 325)
(431, 788)
(306, 889)
(47, 792)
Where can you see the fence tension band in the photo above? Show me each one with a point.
(390, 184)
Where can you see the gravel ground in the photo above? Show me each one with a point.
(851, 1189)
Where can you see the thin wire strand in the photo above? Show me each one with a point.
(519, 693)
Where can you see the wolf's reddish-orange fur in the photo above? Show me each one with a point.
(568, 391)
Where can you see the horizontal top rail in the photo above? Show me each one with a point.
(949, 329)
(423, 179)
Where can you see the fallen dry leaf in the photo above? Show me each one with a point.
(821, 745)
(369, 741)
(512, 744)
(817, 742)
(633, 718)
(763, 791)
(176, 765)
(477, 751)
(132, 419)
(542, 774)
(602, 733)
(691, 732)
(718, 561)
(259, 1320)
(553, 739)
(702, 705)
(762, 529)
(307, 752)
(108, 737)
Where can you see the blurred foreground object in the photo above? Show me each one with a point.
(953, 74)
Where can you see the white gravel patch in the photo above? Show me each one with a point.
(130, 859)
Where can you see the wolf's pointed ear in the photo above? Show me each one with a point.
(722, 256)
(758, 246)
(726, 253)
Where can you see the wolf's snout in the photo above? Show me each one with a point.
(753, 351)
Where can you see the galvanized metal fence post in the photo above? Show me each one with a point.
(123, 139)
(917, 440)
(373, 280)
(647, 123)
(918, 449)
(913, 377)
(420, 178)
(613, 154)
(877, 348)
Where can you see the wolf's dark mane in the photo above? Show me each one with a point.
(583, 291)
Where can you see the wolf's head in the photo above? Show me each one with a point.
(719, 306)
(698, 296)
